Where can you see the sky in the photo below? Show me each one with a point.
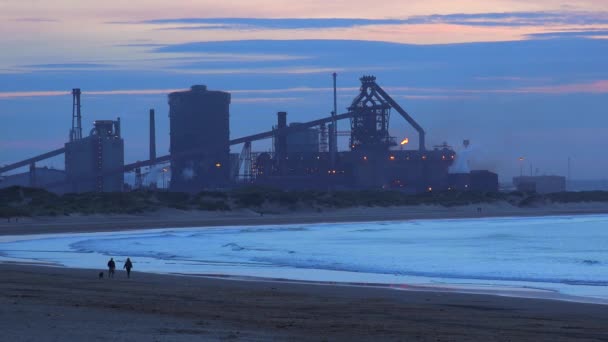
(518, 78)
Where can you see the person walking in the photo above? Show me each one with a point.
(111, 268)
(128, 266)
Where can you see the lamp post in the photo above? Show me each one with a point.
(521, 166)
(164, 170)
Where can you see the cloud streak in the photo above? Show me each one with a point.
(36, 20)
(569, 34)
(596, 87)
(476, 19)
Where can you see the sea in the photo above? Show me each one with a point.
(557, 257)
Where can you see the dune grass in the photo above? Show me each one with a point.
(19, 201)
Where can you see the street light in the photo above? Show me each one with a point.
(521, 166)
(164, 170)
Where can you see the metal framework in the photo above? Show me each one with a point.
(246, 163)
(371, 114)
(76, 131)
(323, 138)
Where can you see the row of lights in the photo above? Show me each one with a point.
(407, 158)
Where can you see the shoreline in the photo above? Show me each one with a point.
(171, 218)
(170, 307)
(514, 290)
(510, 291)
(184, 307)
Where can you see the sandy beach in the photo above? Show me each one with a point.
(169, 218)
(54, 304)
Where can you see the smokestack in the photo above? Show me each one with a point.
(76, 132)
(333, 132)
(330, 128)
(281, 141)
(152, 136)
(117, 127)
(282, 119)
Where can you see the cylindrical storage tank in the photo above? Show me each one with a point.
(199, 138)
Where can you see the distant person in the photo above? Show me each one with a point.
(128, 266)
(111, 268)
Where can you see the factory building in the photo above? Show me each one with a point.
(38, 177)
(95, 163)
(303, 141)
(304, 154)
(374, 161)
(199, 139)
(476, 180)
(540, 184)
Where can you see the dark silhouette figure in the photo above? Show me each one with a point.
(128, 266)
(111, 268)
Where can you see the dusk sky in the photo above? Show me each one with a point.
(517, 78)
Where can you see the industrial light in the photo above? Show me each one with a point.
(391, 157)
(218, 164)
(405, 141)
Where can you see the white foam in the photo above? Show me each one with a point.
(564, 254)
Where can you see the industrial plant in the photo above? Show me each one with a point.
(304, 155)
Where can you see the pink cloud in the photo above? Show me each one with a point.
(597, 87)
(16, 94)
(438, 97)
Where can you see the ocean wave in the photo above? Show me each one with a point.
(317, 264)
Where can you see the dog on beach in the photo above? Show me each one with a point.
(100, 275)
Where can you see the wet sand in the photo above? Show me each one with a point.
(55, 304)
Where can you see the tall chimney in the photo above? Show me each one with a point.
(152, 136)
(333, 131)
(280, 148)
(76, 131)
